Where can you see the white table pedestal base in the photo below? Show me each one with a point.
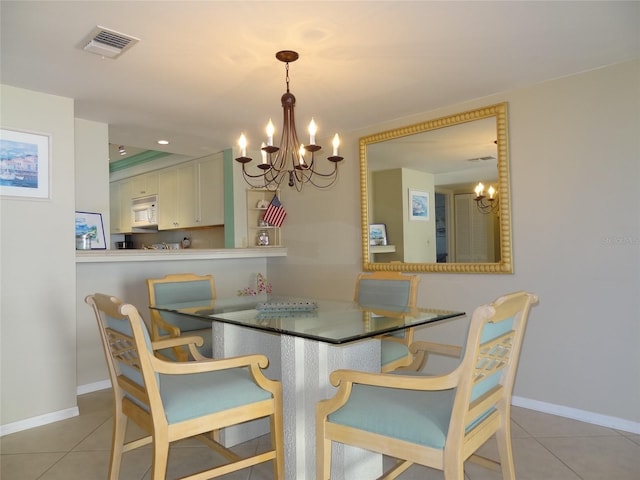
(304, 367)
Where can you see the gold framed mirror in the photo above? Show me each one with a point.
(419, 183)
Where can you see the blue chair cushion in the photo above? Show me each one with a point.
(191, 396)
(417, 417)
(391, 351)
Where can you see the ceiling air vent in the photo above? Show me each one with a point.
(108, 43)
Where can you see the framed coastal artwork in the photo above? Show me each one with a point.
(91, 223)
(378, 234)
(418, 205)
(24, 164)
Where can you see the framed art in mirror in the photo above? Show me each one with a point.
(419, 181)
(378, 234)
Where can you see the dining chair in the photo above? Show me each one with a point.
(175, 288)
(392, 292)
(172, 401)
(437, 421)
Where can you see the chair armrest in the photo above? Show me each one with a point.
(437, 348)
(169, 342)
(344, 380)
(255, 361)
(406, 382)
(157, 323)
(420, 351)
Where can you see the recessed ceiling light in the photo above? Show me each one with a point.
(163, 142)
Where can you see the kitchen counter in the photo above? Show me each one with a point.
(110, 256)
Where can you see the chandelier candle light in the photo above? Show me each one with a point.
(486, 203)
(288, 160)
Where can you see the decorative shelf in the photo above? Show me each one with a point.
(382, 248)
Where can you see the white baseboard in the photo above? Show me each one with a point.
(38, 421)
(52, 417)
(577, 414)
(93, 387)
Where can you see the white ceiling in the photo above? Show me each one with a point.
(204, 71)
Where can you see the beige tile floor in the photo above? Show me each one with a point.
(546, 447)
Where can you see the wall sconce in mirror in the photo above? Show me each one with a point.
(487, 202)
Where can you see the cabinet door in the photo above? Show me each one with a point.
(167, 199)
(144, 185)
(177, 197)
(151, 183)
(210, 194)
(125, 194)
(114, 207)
(187, 195)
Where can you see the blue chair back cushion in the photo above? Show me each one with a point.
(391, 351)
(177, 292)
(391, 295)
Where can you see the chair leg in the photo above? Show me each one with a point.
(453, 468)
(277, 442)
(160, 456)
(323, 453)
(117, 443)
(503, 437)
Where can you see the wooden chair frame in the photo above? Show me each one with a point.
(407, 338)
(144, 405)
(158, 323)
(462, 441)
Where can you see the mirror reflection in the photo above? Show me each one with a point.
(440, 190)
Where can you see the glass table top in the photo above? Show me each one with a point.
(329, 321)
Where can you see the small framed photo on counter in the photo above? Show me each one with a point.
(90, 224)
(378, 234)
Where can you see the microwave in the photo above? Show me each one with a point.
(144, 212)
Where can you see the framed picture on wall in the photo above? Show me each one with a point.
(24, 164)
(91, 223)
(378, 234)
(418, 205)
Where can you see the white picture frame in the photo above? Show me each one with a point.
(24, 164)
(418, 205)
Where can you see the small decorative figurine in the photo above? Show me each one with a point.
(263, 239)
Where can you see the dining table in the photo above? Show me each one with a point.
(305, 340)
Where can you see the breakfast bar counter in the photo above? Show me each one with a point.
(140, 255)
(124, 273)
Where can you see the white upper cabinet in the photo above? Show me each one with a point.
(210, 190)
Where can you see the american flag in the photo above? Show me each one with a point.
(275, 213)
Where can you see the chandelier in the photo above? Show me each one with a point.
(288, 160)
(489, 202)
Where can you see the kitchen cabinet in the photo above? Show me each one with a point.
(257, 203)
(143, 185)
(177, 197)
(120, 205)
(209, 190)
(190, 194)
